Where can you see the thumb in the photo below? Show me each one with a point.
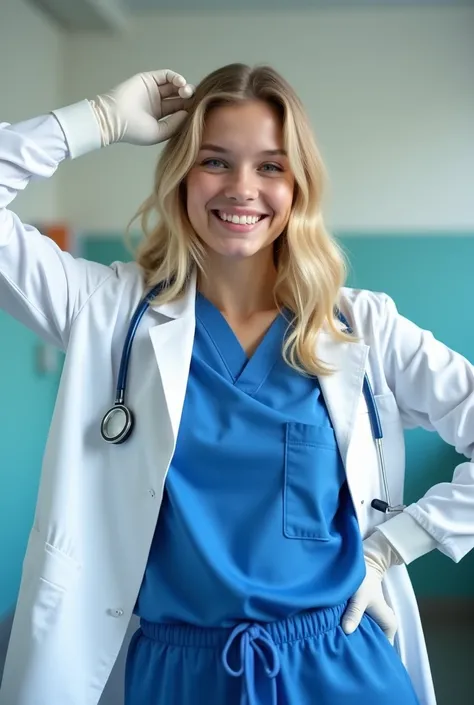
(167, 126)
(354, 612)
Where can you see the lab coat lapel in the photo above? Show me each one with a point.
(173, 340)
(173, 343)
(342, 389)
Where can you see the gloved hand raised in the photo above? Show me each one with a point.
(144, 110)
(379, 557)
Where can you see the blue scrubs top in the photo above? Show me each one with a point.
(256, 522)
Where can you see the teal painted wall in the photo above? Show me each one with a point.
(27, 402)
(429, 278)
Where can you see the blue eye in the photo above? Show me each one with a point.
(213, 163)
(273, 167)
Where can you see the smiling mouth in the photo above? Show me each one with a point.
(238, 223)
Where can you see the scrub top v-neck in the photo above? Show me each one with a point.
(256, 522)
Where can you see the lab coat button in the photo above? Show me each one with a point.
(116, 613)
(152, 493)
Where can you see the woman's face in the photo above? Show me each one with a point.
(240, 189)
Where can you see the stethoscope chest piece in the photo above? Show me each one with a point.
(117, 424)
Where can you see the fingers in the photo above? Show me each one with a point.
(170, 85)
(163, 76)
(169, 125)
(187, 91)
(168, 90)
(172, 105)
(172, 82)
(385, 618)
(171, 91)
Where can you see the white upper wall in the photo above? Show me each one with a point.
(30, 84)
(390, 93)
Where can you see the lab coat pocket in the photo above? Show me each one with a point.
(313, 475)
(48, 574)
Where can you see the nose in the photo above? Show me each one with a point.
(242, 185)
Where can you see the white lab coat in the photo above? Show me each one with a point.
(98, 504)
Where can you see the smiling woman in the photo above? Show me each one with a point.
(237, 521)
(247, 151)
(241, 191)
(238, 193)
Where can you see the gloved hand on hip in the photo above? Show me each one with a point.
(379, 557)
(144, 110)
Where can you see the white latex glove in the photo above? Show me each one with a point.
(146, 109)
(379, 557)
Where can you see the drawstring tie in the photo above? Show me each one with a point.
(255, 643)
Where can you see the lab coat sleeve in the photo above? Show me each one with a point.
(434, 389)
(40, 285)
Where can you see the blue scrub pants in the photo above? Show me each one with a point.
(304, 660)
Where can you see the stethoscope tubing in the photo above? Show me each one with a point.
(119, 404)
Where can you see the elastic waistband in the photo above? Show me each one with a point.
(300, 626)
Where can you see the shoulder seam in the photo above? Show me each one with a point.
(101, 283)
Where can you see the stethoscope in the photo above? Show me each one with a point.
(380, 505)
(118, 422)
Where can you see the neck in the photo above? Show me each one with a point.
(240, 287)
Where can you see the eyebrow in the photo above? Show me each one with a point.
(267, 152)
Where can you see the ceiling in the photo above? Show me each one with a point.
(110, 15)
(139, 6)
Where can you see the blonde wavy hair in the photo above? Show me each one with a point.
(310, 265)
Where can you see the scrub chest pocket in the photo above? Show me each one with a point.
(314, 476)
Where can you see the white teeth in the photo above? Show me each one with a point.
(240, 220)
